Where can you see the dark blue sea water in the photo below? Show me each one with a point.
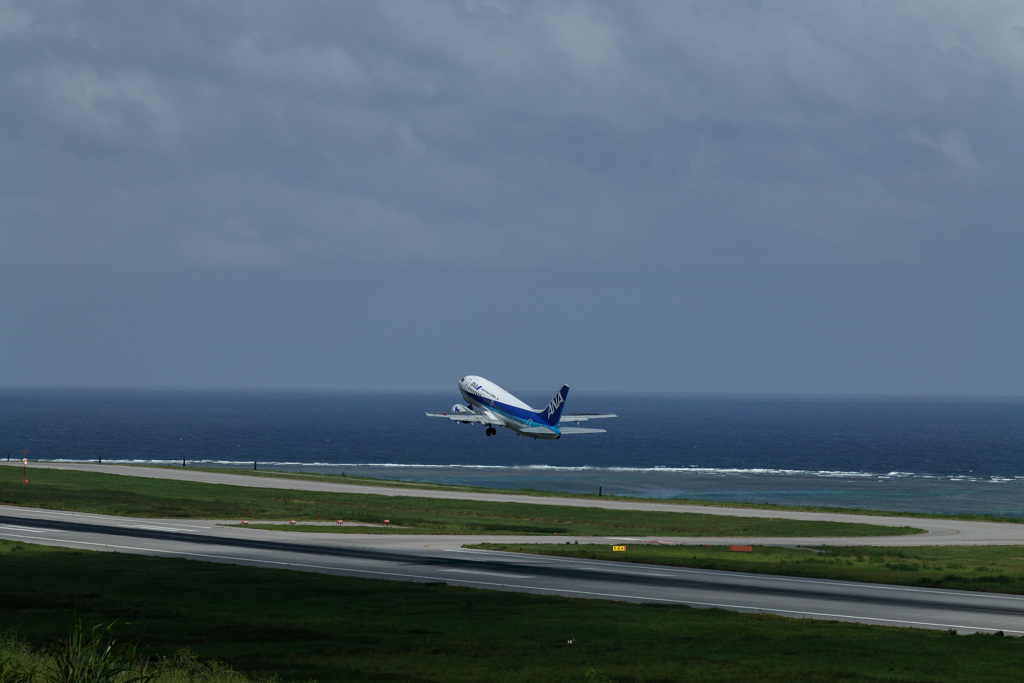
(941, 455)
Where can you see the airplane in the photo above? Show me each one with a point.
(491, 405)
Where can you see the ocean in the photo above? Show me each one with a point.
(943, 455)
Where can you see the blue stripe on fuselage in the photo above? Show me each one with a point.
(522, 416)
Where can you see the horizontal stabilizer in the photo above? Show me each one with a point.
(579, 430)
(583, 417)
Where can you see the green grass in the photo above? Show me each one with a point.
(997, 569)
(541, 493)
(162, 498)
(307, 626)
(95, 654)
(310, 626)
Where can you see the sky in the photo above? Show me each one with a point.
(678, 196)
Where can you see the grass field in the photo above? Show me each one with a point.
(163, 498)
(994, 569)
(302, 627)
(309, 626)
(539, 493)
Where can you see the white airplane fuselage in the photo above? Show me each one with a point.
(490, 405)
(497, 403)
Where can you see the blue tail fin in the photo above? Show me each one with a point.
(553, 413)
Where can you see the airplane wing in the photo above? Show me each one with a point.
(467, 417)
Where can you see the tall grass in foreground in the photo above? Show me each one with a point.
(94, 655)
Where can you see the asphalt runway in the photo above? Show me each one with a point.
(442, 559)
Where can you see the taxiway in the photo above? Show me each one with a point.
(443, 558)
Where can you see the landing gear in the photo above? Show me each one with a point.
(491, 431)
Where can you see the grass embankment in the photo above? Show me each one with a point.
(310, 626)
(543, 493)
(994, 569)
(163, 498)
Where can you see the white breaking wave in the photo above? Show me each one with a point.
(556, 469)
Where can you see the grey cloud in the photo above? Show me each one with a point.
(640, 150)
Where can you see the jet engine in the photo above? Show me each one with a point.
(458, 408)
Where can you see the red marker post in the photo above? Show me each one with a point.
(24, 461)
